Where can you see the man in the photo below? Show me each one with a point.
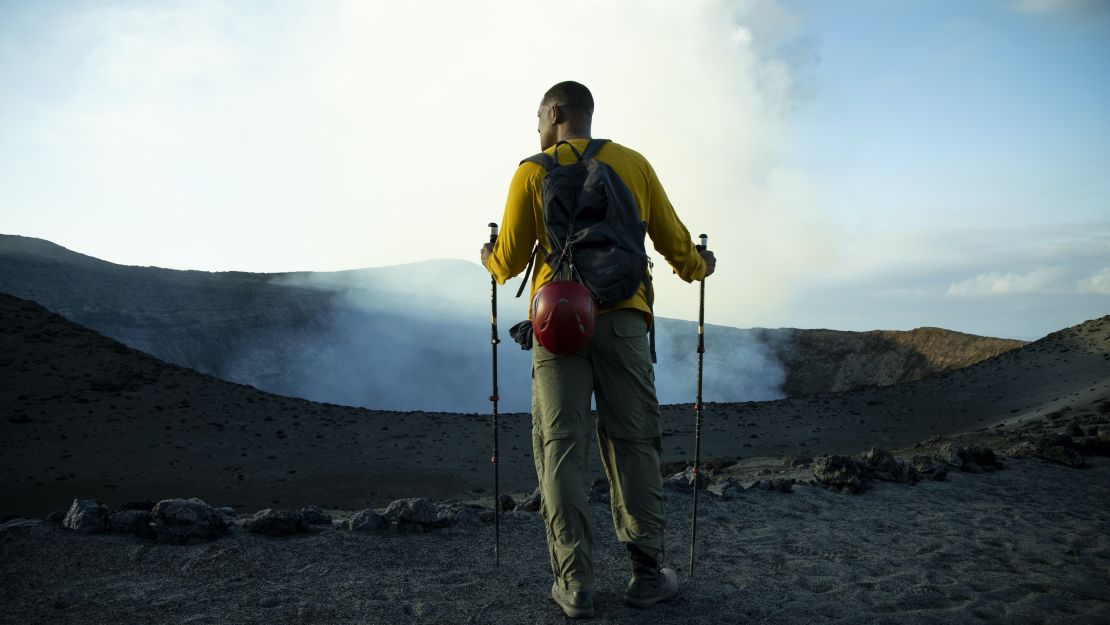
(616, 367)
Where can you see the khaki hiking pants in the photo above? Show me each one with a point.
(617, 368)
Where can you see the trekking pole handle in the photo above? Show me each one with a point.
(492, 232)
(704, 241)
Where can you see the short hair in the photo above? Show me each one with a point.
(572, 96)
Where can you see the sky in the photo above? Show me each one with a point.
(857, 165)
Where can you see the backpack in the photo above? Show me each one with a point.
(594, 228)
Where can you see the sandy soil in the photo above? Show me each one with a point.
(1027, 544)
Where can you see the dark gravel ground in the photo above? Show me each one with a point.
(1026, 544)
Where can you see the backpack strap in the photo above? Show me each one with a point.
(593, 147)
(543, 160)
(528, 271)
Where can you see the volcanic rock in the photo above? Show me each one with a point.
(732, 490)
(20, 525)
(414, 510)
(461, 516)
(366, 521)
(506, 503)
(313, 515)
(683, 482)
(131, 522)
(838, 472)
(86, 516)
(1063, 455)
(929, 467)
(273, 522)
(178, 520)
(534, 501)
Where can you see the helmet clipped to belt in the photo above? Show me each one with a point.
(563, 316)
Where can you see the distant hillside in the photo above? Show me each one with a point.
(822, 361)
(82, 415)
(416, 336)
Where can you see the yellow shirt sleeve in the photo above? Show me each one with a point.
(517, 235)
(669, 236)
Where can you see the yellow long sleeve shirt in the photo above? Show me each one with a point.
(522, 223)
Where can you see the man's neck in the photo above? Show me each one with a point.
(573, 134)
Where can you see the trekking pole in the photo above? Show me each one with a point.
(494, 398)
(697, 409)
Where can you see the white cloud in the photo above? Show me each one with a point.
(335, 135)
(1098, 283)
(1041, 279)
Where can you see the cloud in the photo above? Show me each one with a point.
(1098, 283)
(337, 135)
(1039, 280)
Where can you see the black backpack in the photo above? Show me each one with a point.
(594, 228)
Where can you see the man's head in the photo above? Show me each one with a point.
(566, 112)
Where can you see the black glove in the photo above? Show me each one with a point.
(522, 333)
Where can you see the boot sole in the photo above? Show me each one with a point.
(569, 610)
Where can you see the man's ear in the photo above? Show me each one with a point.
(556, 114)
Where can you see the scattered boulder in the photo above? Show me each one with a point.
(1074, 429)
(952, 454)
(1063, 455)
(19, 525)
(86, 516)
(598, 491)
(974, 460)
(880, 464)
(417, 510)
(460, 516)
(366, 521)
(57, 517)
(131, 522)
(984, 457)
(228, 513)
(839, 472)
(176, 521)
(506, 503)
(313, 515)
(273, 522)
(716, 465)
(1024, 449)
(928, 466)
(799, 461)
(732, 490)
(534, 501)
(683, 481)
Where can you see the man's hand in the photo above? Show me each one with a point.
(487, 249)
(710, 261)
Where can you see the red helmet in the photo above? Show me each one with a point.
(563, 316)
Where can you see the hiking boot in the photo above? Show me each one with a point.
(650, 583)
(575, 603)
